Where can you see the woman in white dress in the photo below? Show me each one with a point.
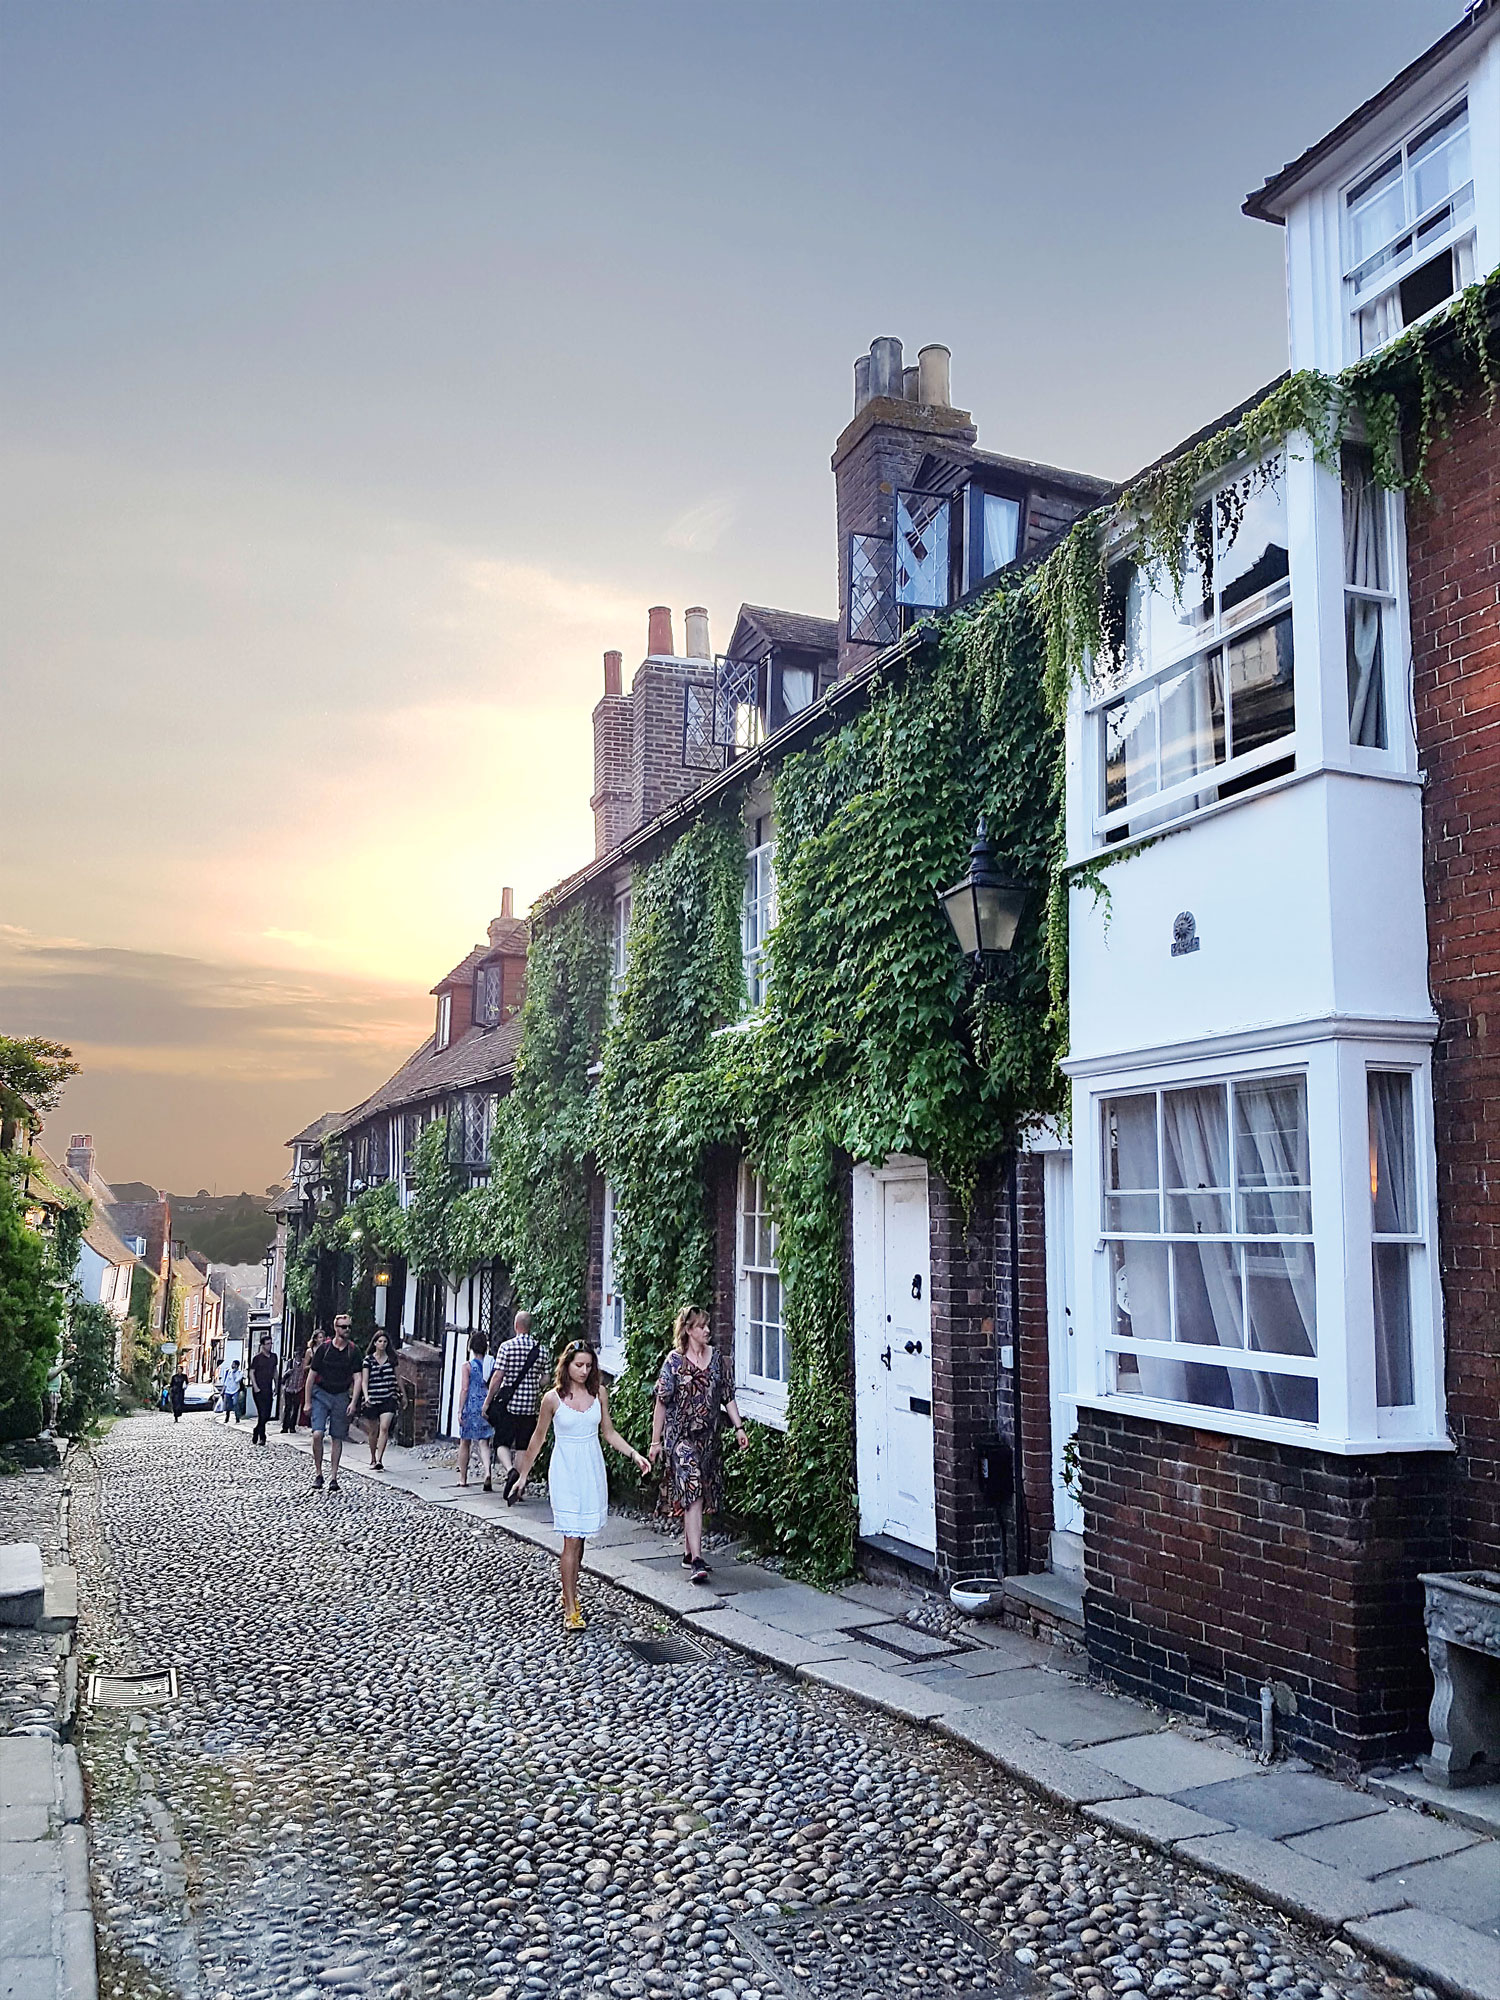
(576, 1411)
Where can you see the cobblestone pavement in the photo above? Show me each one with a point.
(389, 1772)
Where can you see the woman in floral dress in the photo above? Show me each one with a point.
(694, 1385)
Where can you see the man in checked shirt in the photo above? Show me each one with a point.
(515, 1393)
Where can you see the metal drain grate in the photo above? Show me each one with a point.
(907, 1944)
(664, 1652)
(133, 1690)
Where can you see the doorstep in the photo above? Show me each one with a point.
(1051, 1602)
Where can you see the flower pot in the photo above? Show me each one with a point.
(977, 1596)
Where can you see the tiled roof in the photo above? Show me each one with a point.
(464, 970)
(98, 1233)
(791, 628)
(1262, 204)
(479, 1055)
(508, 935)
(319, 1129)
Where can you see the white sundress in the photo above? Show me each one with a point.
(576, 1484)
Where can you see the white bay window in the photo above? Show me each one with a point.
(1409, 231)
(762, 1351)
(1261, 1258)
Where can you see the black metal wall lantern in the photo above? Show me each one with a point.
(985, 909)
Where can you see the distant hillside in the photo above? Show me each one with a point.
(226, 1228)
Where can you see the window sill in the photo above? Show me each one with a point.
(1271, 1430)
(759, 1406)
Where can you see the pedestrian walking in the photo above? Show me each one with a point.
(265, 1370)
(576, 1411)
(294, 1384)
(473, 1426)
(377, 1398)
(693, 1391)
(229, 1390)
(331, 1372)
(177, 1394)
(515, 1394)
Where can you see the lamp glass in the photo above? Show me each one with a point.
(963, 914)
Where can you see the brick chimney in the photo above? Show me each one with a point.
(81, 1155)
(639, 738)
(613, 776)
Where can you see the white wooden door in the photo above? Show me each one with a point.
(1062, 1345)
(893, 1354)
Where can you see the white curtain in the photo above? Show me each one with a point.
(1281, 1278)
(1364, 567)
(1393, 1189)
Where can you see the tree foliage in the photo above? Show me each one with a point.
(30, 1319)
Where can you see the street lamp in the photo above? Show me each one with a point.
(985, 907)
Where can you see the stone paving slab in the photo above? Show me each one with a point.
(761, 1642)
(1464, 1886)
(59, 1599)
(1009, 1684)
(1304, 1888)
(1064, 1775)
(1167, 1763)
(1278, 1804)
(27, 1772)
(667, 1593)
(1449, 1956)
(1475, 1806)
(1077, 1717)
(904, 1698)
(795, 1607)
(910, 1642)
(1385, 1841)
(1161, 1822)
(23, 1584)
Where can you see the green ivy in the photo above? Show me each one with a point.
(430, 1224)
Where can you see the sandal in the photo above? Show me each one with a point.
(489, 1486)
(510, 1487)
(574, 1620)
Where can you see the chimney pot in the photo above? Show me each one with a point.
(613, 675)
(861, 383)
(507, 903)
(909, 384)
(885, 366)
(934, 385)
(659, 631)
(696, 642)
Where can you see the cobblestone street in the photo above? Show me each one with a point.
(388, 1771)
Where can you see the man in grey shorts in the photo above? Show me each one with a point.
(331, 1371)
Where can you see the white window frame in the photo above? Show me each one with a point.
(621, 910)
(1349, 1421)
(1174, 803)
(443, 1033)
(760, 1396)
(758, 912)
(611, 1305)
(1379, 294)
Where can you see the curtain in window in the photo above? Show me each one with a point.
(1364, 568)
(1393, 1201)
(1280, 1278)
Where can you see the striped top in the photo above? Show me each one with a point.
(380, 1378)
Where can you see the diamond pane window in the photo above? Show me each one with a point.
(872, 619)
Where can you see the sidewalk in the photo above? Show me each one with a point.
(1420, 1892)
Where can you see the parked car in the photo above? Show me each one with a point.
(197, 1396)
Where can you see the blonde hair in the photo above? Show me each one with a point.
(681, 1324)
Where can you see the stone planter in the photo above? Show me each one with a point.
(1463, 1647)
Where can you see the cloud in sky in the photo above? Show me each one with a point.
(702, 528)
(195, 1070)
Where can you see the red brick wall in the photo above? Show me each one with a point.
(1453, 545)
(612, 802)
(1214, 1564)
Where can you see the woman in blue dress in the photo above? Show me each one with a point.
(472, 1427)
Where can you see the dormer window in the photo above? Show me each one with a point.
(992, 533)
(487, 995)
(444, 1033)
(1409, 231)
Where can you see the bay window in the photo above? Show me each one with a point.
(1369, 597)
(1261, 1259)
(762, 1353)
(1193, 694)
(1409, 231)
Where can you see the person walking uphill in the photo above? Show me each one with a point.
(473, 1426)
(177, 1395)
(576, 1410)
(264, 1372)
(515, 1394)
(693, 1387)
(331, 1371)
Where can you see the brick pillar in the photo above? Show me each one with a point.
(965, 1376)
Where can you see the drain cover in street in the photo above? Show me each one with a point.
(664, 1652)
(133, 1690)
(870, 1951)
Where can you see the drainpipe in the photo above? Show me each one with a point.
(1267, 1723)
(1023, 1523)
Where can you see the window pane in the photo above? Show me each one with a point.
(1142, 1299)
(1196, 1126)
(1130, 1164)
(1365, 657)
(1394, 1383)
(1439, 160)
(1377, 210)
(1250, 519)
(1281, 1298)
(1130, 751)
(1192, 721)
(1172, 618)
(1002, 524)
(1270, 1148)
(796, 689)
(1393, 1154)
(1123, 620)
(1260, 687)
(1210, 1310)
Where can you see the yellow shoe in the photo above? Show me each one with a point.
(574, 1620)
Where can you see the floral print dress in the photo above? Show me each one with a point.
(692, 1398)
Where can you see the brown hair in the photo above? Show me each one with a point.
(681, 1324)
(479, 1343)
(560, 1380)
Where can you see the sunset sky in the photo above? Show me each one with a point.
(368, 369)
